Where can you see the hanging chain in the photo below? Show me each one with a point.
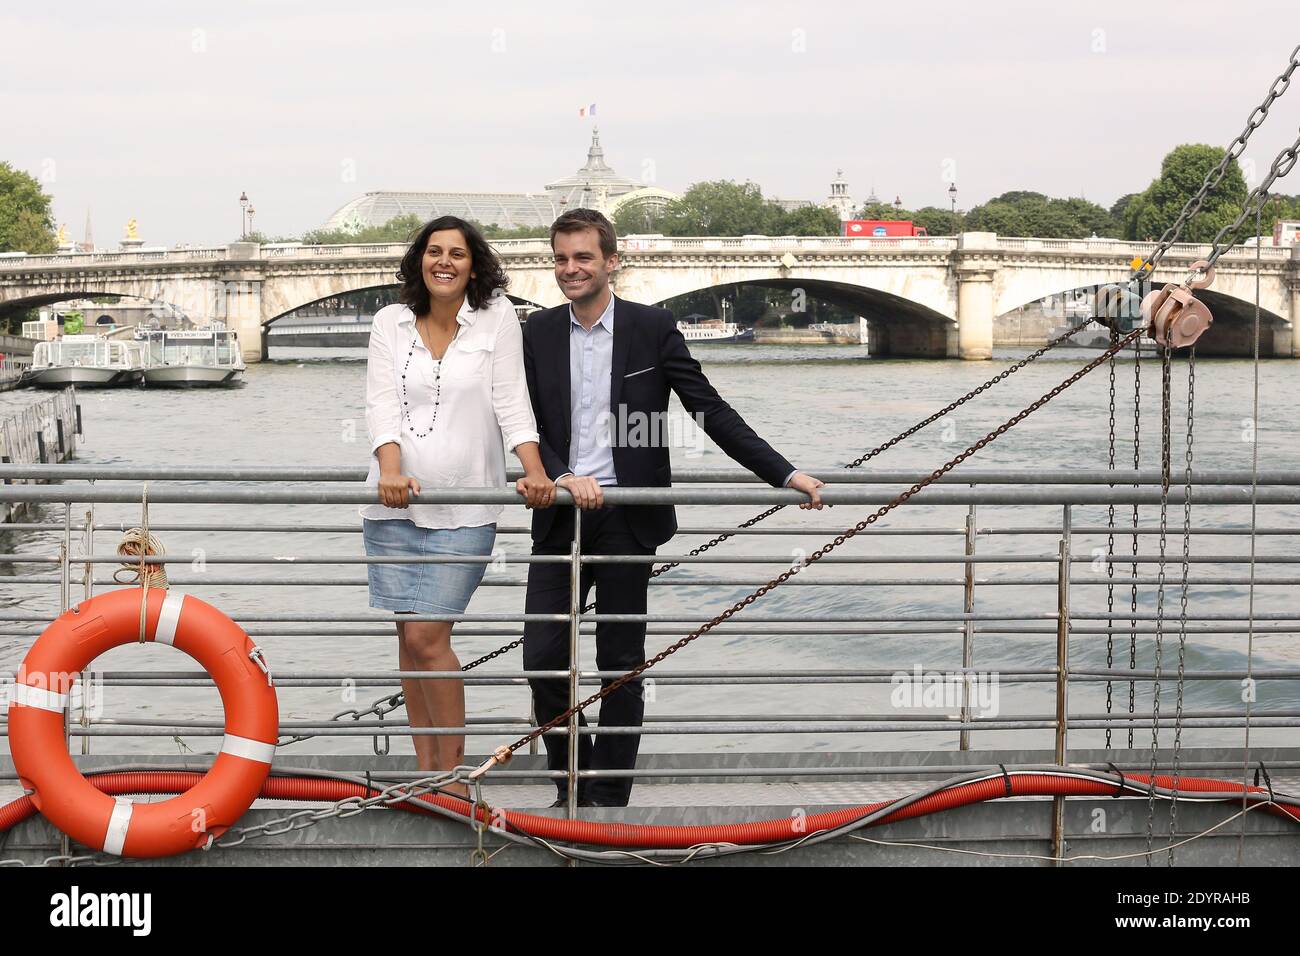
(391, 702)
(1110, 546)
(1133, 571)
(861, 460)
(503, 753)
(1182, 603)
(1165, 355)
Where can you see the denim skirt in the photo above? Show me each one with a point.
(424, 588)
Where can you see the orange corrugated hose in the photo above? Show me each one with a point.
(627, 835)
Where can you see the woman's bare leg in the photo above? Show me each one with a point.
(426, 746)
(428, 644)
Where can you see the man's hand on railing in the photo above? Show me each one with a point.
(586, 492)
(393, 489)
(538, 490)
(808, 485)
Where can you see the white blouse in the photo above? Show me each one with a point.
(482, 397)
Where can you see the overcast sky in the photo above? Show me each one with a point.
(166, 112)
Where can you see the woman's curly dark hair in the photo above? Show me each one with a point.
(489, 275)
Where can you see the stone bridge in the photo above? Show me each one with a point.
(925, 296)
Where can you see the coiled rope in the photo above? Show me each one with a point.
(139, 544)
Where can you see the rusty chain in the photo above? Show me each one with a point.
(901, 436)
(1110, 542)
(1165, 355)
(1182, 608)
(1133, 571)
(504, 752)
(391, 702)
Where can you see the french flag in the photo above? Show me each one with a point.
(587, 110)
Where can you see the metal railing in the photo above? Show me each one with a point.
(986, 560)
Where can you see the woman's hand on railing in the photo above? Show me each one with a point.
(537, 490)
(393, 489)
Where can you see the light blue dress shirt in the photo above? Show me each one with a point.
(591, 359)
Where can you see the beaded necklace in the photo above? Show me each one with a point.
(437, 380)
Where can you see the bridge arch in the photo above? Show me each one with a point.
(930, 287)
(161, 308)
(1230, 335)
(898, 326)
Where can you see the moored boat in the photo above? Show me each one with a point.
(88, 361)
(711, 330)
(191, 358)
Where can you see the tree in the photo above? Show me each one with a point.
(1026, 213)
(397, 229)
(26, 220)
(938, 222)
(1182, 172)
(637, 217)
(810, 221)
(262, 239)
(1290, 210)
(884, 212)
(1119, 213)
(721, 207)
(1004, 218)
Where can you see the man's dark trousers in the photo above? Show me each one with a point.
(620, 589)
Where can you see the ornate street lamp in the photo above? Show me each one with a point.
(243, 215)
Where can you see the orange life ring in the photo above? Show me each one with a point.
(114, 824)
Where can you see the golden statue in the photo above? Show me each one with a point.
(131, 232)
(63, 235)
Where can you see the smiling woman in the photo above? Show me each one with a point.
(445, 390)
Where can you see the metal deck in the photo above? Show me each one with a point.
(674, 791)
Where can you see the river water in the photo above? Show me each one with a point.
(820, 406)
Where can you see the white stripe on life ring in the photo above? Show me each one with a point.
(248, 748)
(168, 618)
(118, 824)
(30, 696)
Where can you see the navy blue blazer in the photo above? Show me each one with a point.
(648, 344)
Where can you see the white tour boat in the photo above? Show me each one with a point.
(710, 330)
(87, 361)
(191, 358)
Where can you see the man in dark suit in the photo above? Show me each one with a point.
(599, 371)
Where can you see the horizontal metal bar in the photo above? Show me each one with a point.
(96, 764)
(1042, 493)
(1120, 530)
(734, 629)
(783, 560)
(353, 730)
(732, 475)
(678, 581)
(290, 727)
(721, 729)
(1007, 675)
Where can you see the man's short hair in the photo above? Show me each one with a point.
(576, 220)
